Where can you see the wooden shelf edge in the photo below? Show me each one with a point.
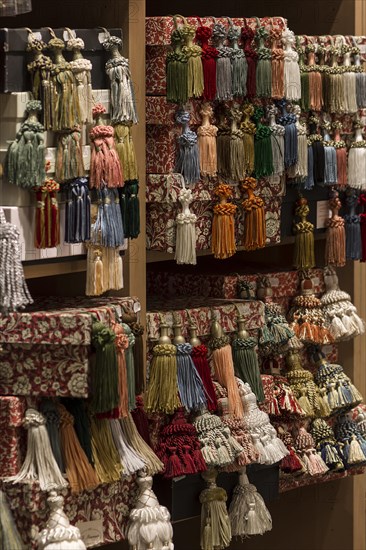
(49, 269)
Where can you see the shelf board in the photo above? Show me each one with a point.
(153, 256)
(57, 266)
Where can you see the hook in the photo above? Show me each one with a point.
(106, 31)
(69, 32)
(52, 32)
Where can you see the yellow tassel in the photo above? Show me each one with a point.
(105, 455)
(162, 391)
(126, 151)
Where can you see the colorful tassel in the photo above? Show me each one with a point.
(176, 69)
(69, 155)
(40, 71)
(277, 141)
(209, 57)
(341, 154)
(162, 390)
(199, 357)
(353, 227)
(107, 229)
(104, 270)
(264, 64)
(247, 36)
(254, 220)
(288, 120)
(239, 65)
(47, 233)
(223, 231)
(81, 69)
(105, 370)
(248, 129)
(263, 160)
(315, 80)
(300, 169)
(236, 145)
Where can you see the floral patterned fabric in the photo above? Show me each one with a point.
(289, 482)
(185, 309)
(161, 113)
(109, 502)
(12, 445)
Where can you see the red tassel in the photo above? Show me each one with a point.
(198, 458)
(247, 36)
(199, 356)
(341, 166)
(189, 465)
(362, 201)
(209, 56)
(291, 463)
(174, 467)
(47, 234)
(141, 421)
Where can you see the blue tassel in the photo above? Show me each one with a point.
(309, 182)
(288, 120)
(77, 226)
(190, 385)
(188, 158)
(330, 172)
(353, 227)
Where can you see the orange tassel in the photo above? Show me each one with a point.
(254, 221)
(79, 471)
(335, 245)
(224, 373)
(278, 65)
(315, 81)
(223, 227)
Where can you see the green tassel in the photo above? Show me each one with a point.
(133, 209)
(264, 78)
(246, 365)
(130, 367)
(305, 92)
(105, 369)
(263, 158)
(177, 70)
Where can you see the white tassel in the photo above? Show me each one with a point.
(337, 328)
(247, 512)
(149, 524)
(349, 87)
(357, 167)
(39, 463)
(185, 247)
(355, 454)
(292, 69)
(134, 440)
(59, 534)
(130, 460)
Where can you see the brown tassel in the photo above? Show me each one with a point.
(278, 65)
(223, 228)
(254, 220)
(207, 133)
(47, 233)
(335, 246)
(315, 80)
(304, 256)
(80, 473)
(248, 129)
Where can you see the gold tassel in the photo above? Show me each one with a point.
(223, 227)
(254, 220)
(162, 391)
(335, 244)
(304, 257)
(126, 151)
(248, 129)
(105, 455)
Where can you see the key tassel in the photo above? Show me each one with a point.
(263, 160)
(199, 357)
(185, 245)
(81, 69)
(292, 77)
(47, 233)
(193, 53)
(254, 220)
(341, 153)
(209, 56)
(190, 385)
(247, 37)
(176, 69)
(239, 65)
(352, 226)
(104, 270)
(215, 522)
(326, 444)
(106, 459)
(248, 129)
(223, 64)
(247, 512)
(223, 229)
(314, 464)
(188, 157)
(40, 70)
(335, 245)
(105, 369)
(357, 159)
(69, 155)
(236, 145)
(304, 255)
(77, 225)
(264, 62)
(207, 133)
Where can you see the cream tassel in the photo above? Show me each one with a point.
(39, 463)
(149, 524)
(185, 247)
(357, 160)
(59, 534)
(292, 69)
(215, 523)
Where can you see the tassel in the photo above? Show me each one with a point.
(304, 257)
(248, 129)
(304, 77)
(134, 440)
(264, 64)
(362, 218)
(130, 208)
(247, 36)
(349, 80)
(292, 78)
(239, 65)
(81, 69)
(79, 471)
(305, 445)
(326, 444)
(236, 146)
(335, 83)
(141, 420)
(185, 246)
(138, 357)
(315, 80)
(58, 533)
(288, 120)
(207, 133)
(254, 220)
(123, 104)
(50, 412)
(130, 367)
(223, 64)
(247, 512)
(341, 154)
(223, 142)
(330, 157)
(352, 227)
(193, 53)
(278, 64)
(105, 369)
(14, 293)
(190, 386)
(107, 229)
(105, 456)
(263, 161)
(199, 357)
(246, 361)
(223, 230)
(65, 109)
(25, 162)
(77, 408)
(300, 170)
(130, 460)
(126, 151)
(357, 160)
(162, 390)
(39, 463)
(105, 167)
(40, 71)
(10, 537)
(121, 342)
(215, 523)
(335, 246)
(47, 233)
(209, 56)
(309, 182)
(222, 362)
(69, 155)
(188, 159)
(104, 270)
(176, 69)
(277, 142)
(77, 228)
(360, 77)
(149, 523)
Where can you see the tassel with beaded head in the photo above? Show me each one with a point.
(215, 523)
(149, 523)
